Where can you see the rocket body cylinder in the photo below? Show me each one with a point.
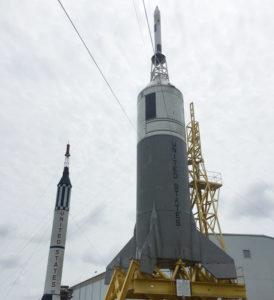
(58, 239)
(163, 205)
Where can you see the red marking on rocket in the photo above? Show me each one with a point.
(67, 152)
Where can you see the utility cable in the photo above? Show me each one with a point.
(147, 26)
(96, 64)
(20, 247)
(81, 231)
(25, 264)
(139, 23)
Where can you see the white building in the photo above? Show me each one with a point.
(255, 253)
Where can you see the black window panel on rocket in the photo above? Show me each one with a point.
(63, 196)
(150, 106)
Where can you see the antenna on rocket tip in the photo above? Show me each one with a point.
(67, 155)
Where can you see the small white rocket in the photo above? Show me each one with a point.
(157, 31)
(58, 235)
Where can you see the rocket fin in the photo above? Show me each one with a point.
(215, 260)
(203, 250)
(147, 254)
(122, 258)
(152, 246)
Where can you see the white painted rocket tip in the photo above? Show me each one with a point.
(157, 30)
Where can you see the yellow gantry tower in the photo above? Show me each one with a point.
(204, 186)
(185, 280)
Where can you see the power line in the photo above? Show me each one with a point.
(87, 239)
(138, 21)
(96, 64)
(25, 264)
(147, 26)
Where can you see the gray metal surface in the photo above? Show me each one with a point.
(165, 228)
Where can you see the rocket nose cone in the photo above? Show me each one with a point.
(156, 11)
(65, 178)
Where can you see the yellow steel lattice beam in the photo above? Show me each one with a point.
(204, 191)
(158, 285)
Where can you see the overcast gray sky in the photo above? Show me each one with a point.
(219, 54)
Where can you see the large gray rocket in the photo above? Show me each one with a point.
(165, 229)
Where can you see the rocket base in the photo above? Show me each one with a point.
(218, 263)
(191, 282)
